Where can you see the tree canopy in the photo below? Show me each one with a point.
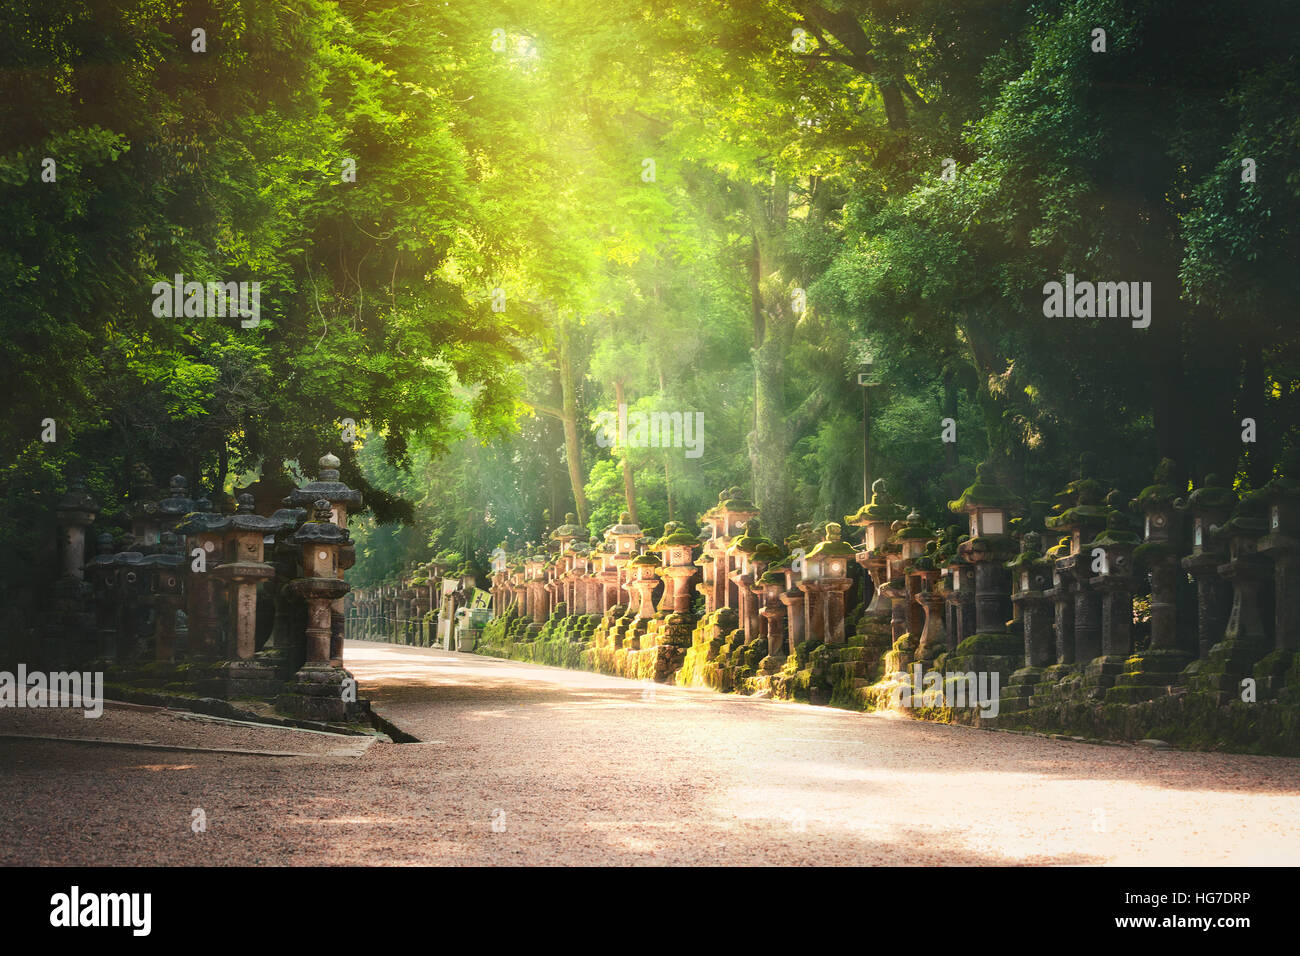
(480, 227)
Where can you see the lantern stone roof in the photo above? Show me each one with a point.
(1087, 496)
(771, 577)
(78, 498)
(1278, 488)
(1248, 517)
(832, 546)
(881, 508)
(958, 560)
(245, 519)
(326, 486)
(570, 528)
(679, 539)
(748, 542)
(768, 552)
(625, 526)
(1110, 538)
(732, 501)
(320, 529)
(1211, 494)
(202, 520)
(983, 493)
(1072, 516)
(177, 501)
(645, 560)
(915, 529)
(1161, 493)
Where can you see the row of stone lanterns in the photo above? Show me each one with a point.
(213, 567)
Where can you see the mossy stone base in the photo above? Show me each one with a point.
(1148, 675)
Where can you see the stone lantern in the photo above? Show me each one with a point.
(1110, 557)
(924, 580)
(959, 594)
(595, 590)
(316, 691)
(243, 568)
(103, 579)
(1244, 641)
(343, 501)
(912, 539)
(642, 581)
(1282, 545)
(1080, 515)
(731, 520)
(499, 562)
(678, 548)
(987, 507)
(538, 597)
(625, 535)
(519, 588)
(810, 578)
(607, 576)
(69, 633)
(1207, 506)
(741, 554)
(875, 519)
(1154, 670)
(76, 512)
(567, 532)
(708, 568)
(172, 509)
(166, 571)
(146, 526)
(282, 647)
(1031, 576)
(831, 557)
(768, 589)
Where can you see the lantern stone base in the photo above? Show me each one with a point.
(231, 680)
(1148, 675)
(1100, 674)
(1228, 664)
(1277, 677)
(146, 674)
(902, 653)
(1003, 652)
(1018, 694)
(317, 693)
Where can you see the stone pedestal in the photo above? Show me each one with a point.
(934, 636)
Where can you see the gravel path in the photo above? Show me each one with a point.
(579, 768)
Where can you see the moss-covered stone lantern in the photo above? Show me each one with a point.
(875, 518)
(1081, 515)
(1245, 640)
(677, 548)
(642, 581)
(566, 533)
(1151, 672)
(1031, 576)
(1282, 545)
(1110, 558)
(741, 561)
(993, 646)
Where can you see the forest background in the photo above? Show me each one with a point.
(479, 225)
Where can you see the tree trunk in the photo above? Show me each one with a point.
(573, 451)
(774, 320)
(668, 489)
(629, 482)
